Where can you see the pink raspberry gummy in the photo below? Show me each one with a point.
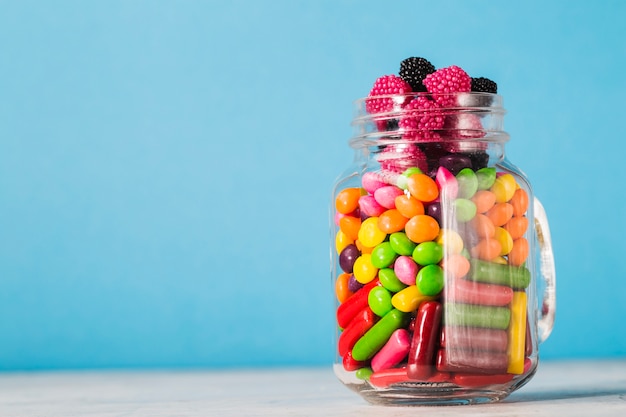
(386, 85)
(451, 79)
(421, 118)
(398, 157)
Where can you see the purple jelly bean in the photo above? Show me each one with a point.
(434, 211)
(455, 162)
(353, 284)
(347, 257)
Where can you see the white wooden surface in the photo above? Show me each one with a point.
(586, 389)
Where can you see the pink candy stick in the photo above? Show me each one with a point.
(394, 351)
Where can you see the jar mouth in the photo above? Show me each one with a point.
(428, 117)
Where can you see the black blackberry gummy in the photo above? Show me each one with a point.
(484, 85)
(413, 70)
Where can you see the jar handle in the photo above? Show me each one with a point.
(547, 272)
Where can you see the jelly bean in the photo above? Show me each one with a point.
(500, 213)
(504, 187)
(341, 241)
(468, 183)
(430, 280)
(455, 265)
(391, 221)
(505, 240)
(519, 201)
(379, 300)
(409, 299)
(474, 338)
(389, 280)
(516, 227)
(401, 244)
(349, 364)
(473, 361)
(428, 253)
(472, 292)
(350, 226)
(422, 187)
(477, 316)
(483, 226)
(422, 228)
(386, 196)
(517, 334)
(369, 234)
(493, 273)
(383, 255)
(409, 206)
(347, 257)
(519, 252)
(465, 209)
(472, 380)
(371, 342)
(447, 183)
(434, 211)
(362, 248)
(353, 284)
(484, 200)
(486, 177)
(353, 305)
(358, 326)
(422, 352)
(451, 241)
(364, 373)
(406, 270)
(455, 162)
(370, 207)
(487, 249)
(403, 179)
(393, 352)
(370, 182)
(364, 270)
(342, 288)
(348, 200)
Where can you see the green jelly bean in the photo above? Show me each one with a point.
(428, 253)
(494, 273)
(430, 280)
(465, 209)
(468, 183)
(389, 280)
(486, 177)
(376, 337)
(473, 315)
(383, 255)
(364, 373)
(379, 300)
(401, 244)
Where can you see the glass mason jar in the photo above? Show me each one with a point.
(438, 253)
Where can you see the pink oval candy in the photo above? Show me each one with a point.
(386, 196)
(371, 182)
(393, 352)
(406, 269)
(370, 207)
(447, 183)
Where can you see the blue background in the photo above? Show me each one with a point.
(166, 167)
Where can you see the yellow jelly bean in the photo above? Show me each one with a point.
(409, 299)
(451, 241)
(341, 241)
(370, 234)
(517, 333)
(363, 269)
(505, 239)
(504, 187)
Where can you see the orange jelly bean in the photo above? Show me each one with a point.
(348, 200)
(409, 206)
(350, 225)
(422, 228)
(484, 200)
(500, 214)
(519, 253)
(486, 249)
(455, 266)
(342, 290)
(391, 221)
(517, 227)
(422, 187)
(519, 201)
(483, 226)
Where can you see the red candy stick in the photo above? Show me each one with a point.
(383, 379)
(357, 327)
(351, 364)
(355, 304)
(467, 361)
(474, 380)
(470, 292)
(474, 338)
(421, 356)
